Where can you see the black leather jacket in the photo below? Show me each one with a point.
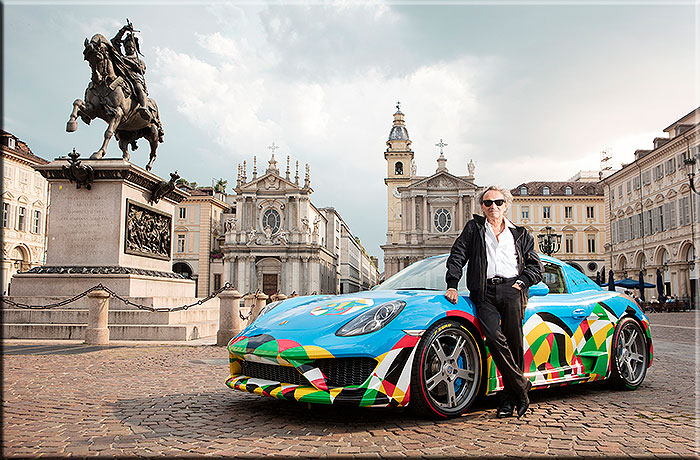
(470, 247)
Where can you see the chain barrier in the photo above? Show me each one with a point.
(117, 296)
(53, 305)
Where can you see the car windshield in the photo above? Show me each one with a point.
(426, 274)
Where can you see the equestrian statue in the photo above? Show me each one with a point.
(117, 94)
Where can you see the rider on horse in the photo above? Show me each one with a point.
(134, 67)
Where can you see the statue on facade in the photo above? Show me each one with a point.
(117, 94)
(471, 168)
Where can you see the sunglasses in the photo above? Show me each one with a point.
(488, 203)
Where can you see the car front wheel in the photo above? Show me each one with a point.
(446, 373)
(630, 355)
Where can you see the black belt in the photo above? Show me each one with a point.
(500, 279)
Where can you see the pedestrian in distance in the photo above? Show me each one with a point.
(502, 265)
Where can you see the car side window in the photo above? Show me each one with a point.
(553, 277)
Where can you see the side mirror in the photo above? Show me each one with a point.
(539, 289)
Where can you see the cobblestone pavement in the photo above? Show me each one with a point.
(146, 400)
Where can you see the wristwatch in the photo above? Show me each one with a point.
(520, 283)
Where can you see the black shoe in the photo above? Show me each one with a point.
(524, 400)
(505, 409)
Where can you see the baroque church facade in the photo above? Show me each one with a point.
(425, 214)
(276, 240)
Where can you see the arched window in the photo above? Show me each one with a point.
(523, 191)
(271, 218)
(398, 168)
(442, 220)
(568, 190)
(545, 190)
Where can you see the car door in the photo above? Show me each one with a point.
(551, 349)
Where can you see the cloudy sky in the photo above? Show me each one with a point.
(528, 91)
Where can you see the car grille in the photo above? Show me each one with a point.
(340, 372)
(282, 374)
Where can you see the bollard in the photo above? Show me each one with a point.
(281, 297)
(260, 303)
(97, 332)
(230, 323)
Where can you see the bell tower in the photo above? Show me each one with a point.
(399, 161)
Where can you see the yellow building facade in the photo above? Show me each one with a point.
(574, 209)
(24, 207)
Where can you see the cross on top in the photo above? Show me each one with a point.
(273, 147)
(441, 145)
(398, 106)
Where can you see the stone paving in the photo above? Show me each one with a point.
(154, 400)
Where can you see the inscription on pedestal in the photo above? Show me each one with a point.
(147, 232)
(91, 216)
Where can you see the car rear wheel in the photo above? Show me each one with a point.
(446, 372)
(630, 355)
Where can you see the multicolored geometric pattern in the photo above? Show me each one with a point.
(388, 384)
(556, 355)
(343, 307)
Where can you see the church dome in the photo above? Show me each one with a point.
(398, 133)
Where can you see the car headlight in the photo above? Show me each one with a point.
(372, 320)
(268, 307)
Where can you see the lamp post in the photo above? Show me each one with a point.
(550, 242)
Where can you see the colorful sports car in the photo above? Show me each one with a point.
(404, 344)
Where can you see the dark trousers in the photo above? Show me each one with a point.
(501, 321)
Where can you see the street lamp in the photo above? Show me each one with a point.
(690, 171)
(549, 242)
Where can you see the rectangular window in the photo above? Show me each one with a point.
(670, 166)
(21, 217)
(619, 191)
(525, 212)
(591, 243)
(629, 187)
(24, 177)
(182, 212)
(181, 243)
(217, 281)
(612, 195)
(658, 172)
(636, 183)
(568, 212)
(9, 172)
(5, 215)
(569, 244)
(546, 212)
(590, 212)
(646, 177)
(613, 230)
(36, 222)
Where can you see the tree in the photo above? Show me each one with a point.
(220, 186)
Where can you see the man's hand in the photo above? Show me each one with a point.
(518, 285)
(452, 295)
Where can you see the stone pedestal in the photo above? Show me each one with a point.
(106, 231)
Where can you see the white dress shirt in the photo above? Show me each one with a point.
(501, 258)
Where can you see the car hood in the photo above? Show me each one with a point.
(325, 313)
(306, 326)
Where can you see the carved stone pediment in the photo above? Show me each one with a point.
(442, 180)
(269, 182)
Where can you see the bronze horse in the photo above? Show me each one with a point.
(109, 97)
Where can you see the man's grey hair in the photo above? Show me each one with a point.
(505, 192)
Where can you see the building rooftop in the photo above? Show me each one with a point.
(577, 188)
(12, 143)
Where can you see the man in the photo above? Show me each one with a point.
(134, 67)
(502, 266)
